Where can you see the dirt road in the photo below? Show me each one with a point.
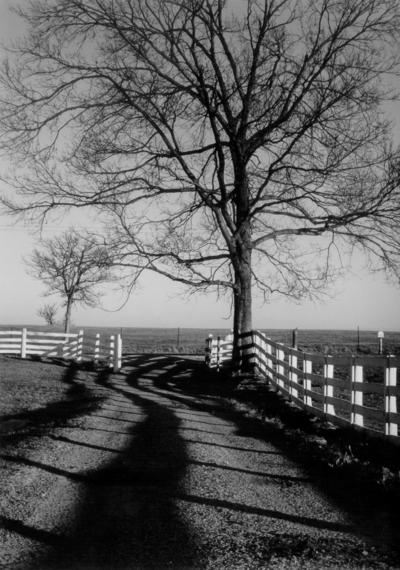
(162, 476)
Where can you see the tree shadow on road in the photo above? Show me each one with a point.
(130, 510)
(128, 516)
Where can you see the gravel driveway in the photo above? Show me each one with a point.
(161, 475)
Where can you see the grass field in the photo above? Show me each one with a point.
(192, 340)
(40, 395)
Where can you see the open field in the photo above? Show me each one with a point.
(192, 340)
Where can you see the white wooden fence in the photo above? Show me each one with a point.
(356, 391)
(70, 346)
(218, 351)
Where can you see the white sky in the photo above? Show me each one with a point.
(364, 300)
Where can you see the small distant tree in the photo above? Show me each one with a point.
(72, 266)
(48, 312)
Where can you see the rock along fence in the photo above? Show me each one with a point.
(74, 346)
(352, 391)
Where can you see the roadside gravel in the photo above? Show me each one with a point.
(160, 474)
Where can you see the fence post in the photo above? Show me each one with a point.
(208, 357)
(97, 348)
(256, 353)
(307, 369)
(218, 352)
(268, 361)
(111, 357)
(117, 353)
(262, 352)
(23, 344)
(390, 397)
(292, 375)
(294, 339)
(120, 351)
(280, 356)
(229, 338)
(356, 396)
(79, 347)
(328, 389)
(65, 349)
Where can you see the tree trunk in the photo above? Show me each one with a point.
(242, 297)
(241, 262)
(242, 302)
(67, 320)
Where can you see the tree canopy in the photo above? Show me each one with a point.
(227, 144)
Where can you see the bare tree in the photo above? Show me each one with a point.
(228, 145)
(48, 312)
(72, 266)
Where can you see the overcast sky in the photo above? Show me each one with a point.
(360, 300)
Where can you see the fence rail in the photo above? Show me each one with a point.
(69, 346)
(352, 391)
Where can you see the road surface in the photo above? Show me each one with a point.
(162, 476)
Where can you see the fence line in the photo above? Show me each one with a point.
(335, 388)
(63, 345)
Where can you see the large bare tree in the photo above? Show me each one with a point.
(228, 144)
(72, 266)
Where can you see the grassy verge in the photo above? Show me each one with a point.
(370, 460)
(37, 395)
